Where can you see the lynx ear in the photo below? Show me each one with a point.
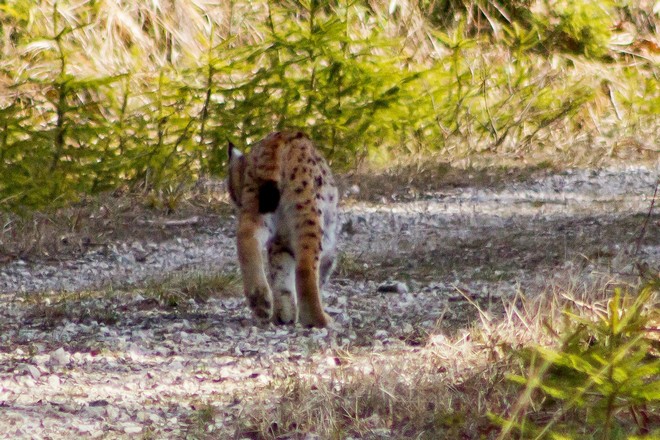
(233, 153)
(236, 173)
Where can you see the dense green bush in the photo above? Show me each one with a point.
(583, 27)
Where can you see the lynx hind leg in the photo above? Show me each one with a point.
(283, 285)
(310, 308)
(250, 237)
(326, 268)
(329, 237)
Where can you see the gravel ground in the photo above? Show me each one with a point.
(367, 228)
(121, 365)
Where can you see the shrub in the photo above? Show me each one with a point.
(605, 374)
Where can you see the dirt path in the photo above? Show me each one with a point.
(121, 363)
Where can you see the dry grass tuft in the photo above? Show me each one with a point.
(179, 290)
(50, 310)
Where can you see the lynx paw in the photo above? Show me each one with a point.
(260, 301)
(285, 308)
(315, 320)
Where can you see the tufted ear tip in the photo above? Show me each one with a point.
(232, 151)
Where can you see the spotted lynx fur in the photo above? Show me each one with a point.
(287, 203)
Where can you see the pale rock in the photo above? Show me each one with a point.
(33, 371)
(318, 334)
(134, 351)
(59, 357)
(381, 334)
(86, 429)
(161, 350)
(27, 381)
(112, 412)
(132, 429)
(176, 366)
(333, 310)
(39, 348)
(142, 416)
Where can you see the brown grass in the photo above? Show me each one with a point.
(177, 291)
(106, 306)
(50, 310)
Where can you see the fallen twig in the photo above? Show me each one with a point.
(172, 223)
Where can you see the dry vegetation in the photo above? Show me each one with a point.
(460, 386)
(106, 95)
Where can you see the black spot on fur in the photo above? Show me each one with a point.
(300, 135)
(269, 197)
(318, 181)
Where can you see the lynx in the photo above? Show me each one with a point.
(286, 200)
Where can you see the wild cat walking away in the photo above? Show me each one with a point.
(287, 202)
